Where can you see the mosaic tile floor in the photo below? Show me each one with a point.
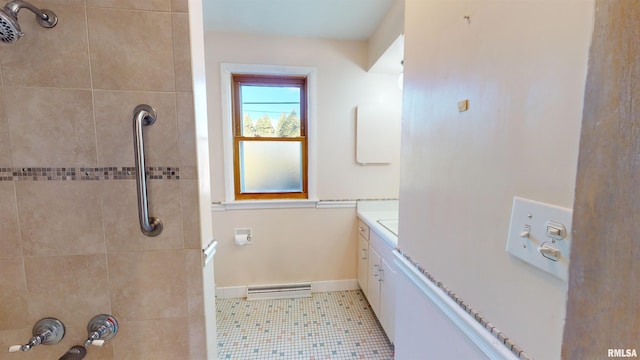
(330, 325)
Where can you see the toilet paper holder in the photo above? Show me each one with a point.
(243, 236)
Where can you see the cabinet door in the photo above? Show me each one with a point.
(387, 299)
(363, 263)
(373, 281)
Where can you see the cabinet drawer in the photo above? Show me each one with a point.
(363, 229)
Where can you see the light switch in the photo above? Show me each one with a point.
(555, 230)
(548, 241)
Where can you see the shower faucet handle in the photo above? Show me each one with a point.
(101, 328)
(47, 331)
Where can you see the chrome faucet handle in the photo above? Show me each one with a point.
(47, 331)
(101, 328)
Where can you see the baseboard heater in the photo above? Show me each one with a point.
(284, 291)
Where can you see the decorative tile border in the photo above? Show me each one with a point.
(86, 173)
(515, 349)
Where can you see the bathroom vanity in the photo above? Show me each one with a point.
(377, 273)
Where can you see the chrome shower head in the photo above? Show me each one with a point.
(9, 27)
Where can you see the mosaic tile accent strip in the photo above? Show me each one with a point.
(86, 173)
(515, 349)
(328, 325)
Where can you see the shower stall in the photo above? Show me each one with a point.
(71, 242)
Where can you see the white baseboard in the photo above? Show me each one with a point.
(230, 292)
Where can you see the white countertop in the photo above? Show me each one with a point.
(370, 211)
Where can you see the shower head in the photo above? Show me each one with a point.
(9, 27)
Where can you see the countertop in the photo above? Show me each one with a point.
(370, 211)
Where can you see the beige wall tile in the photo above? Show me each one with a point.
(122, 228)
(148, 285)
(179, 6)
(5, 140)
(9, 226)
(197, 335)
(114, 119)
(188, 172)
(194, 282)
(60, 217)
(159, 339)
(50, 127)
(13, 297)
(190, 214)
(182, 52)
(56, 57)
(155, 5)
(131, 50)
(72, 289)
(186, 129)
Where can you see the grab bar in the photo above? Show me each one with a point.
(149, 226)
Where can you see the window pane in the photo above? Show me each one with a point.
(270, 111)
(270, 166)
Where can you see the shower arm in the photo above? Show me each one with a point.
(46, 17)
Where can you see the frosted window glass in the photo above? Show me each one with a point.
(270, 166)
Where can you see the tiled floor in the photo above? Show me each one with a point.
(330, 325)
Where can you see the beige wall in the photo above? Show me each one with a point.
(321, 239)
(290, 245)
(72, 249)
(522, 65)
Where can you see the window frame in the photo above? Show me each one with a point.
(238, 80)
(227, 70)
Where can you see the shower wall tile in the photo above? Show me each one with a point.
(52, 4)
(5, 140)
(60, 218)
(186, 130)
(154, 5)
(13, 297)
(158, 339)
(197, 331)
(114, 119)
(182, 51)
(190, 214)
(131, 50)
(148, 285)
(179, 6)
(9, 226)
(55, 57)
(72, 248)
(188, 172)
(50, 127)
(70, 288)
(122, 228)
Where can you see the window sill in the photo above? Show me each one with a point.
(281, 204)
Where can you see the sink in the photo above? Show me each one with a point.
(391, 225)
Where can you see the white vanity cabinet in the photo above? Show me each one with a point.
(363, 255)
(377, 276)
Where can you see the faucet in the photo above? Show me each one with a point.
(101, 328)
(75, 353)
(47, 331)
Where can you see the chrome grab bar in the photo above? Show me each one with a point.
(149, 226)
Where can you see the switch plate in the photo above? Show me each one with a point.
(536, 218)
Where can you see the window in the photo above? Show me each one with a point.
(270, 142)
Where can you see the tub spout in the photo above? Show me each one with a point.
(75, 353)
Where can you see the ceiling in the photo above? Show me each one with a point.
(331, 19)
